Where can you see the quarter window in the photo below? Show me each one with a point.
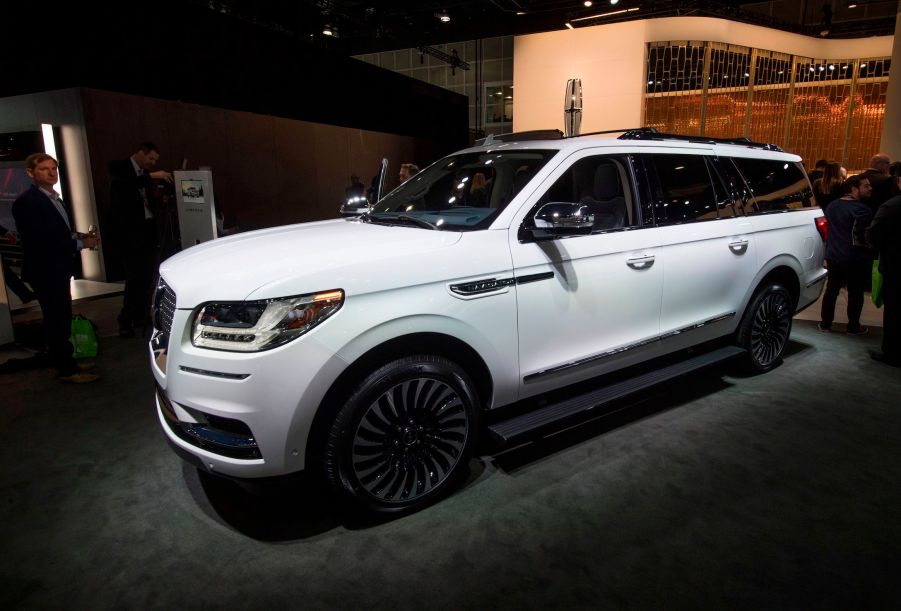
(775, 185)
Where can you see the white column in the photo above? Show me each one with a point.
(891, 125)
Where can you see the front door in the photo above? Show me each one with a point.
(586, 304)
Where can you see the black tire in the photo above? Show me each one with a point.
(765, 327)
(404, 437)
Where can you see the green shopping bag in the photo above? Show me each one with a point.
(876, 290)
(83, 338)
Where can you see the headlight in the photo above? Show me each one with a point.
(252, 326)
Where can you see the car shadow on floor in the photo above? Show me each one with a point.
(284, 509)
(651, 402)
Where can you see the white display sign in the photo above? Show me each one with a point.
(196, 208)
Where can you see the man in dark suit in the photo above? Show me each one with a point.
(49, 246)
(884, 234)
(878, 175)
(135, 232)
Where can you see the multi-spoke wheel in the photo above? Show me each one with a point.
(766, 326)
(404, 436)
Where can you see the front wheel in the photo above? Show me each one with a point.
(404, 437)
(765, 327)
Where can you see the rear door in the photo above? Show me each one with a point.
(707, 244)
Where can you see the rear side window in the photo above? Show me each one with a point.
(685, 191)
(774, 185)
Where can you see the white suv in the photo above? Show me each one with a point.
(374, 352)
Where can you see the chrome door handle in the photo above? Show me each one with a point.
(641, 262)
(739, 247)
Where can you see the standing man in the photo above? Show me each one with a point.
(847, 258)
(131, 190)
(884, 234)
(878, 174)
(49, 246)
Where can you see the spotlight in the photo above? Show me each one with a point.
(327, 31)
(614, 2)
(443, 16)
(588, 3)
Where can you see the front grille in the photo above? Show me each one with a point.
(163, 307)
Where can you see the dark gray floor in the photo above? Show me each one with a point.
(778, 491)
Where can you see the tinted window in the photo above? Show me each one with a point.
(685, 192)
(735, 192)
(775, 185)
(601, 184)
(461, 192)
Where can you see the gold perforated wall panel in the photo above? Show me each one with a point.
(817, 108)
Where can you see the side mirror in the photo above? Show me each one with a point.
(562, 219)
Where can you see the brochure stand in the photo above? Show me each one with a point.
(196, 207)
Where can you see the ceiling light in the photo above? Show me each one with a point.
(852, 5)
(327, 31)
(588, 3)
(614, 2)
(610, 14)
(443, 16)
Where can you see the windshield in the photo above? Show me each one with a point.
(462, 192)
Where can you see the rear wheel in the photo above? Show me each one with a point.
(404, 437)
(765, 327)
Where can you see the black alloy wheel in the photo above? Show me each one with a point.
(766, 327)
(404, 436)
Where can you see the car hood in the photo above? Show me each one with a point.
(299, 259)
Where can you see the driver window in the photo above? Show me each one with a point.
(598, 183)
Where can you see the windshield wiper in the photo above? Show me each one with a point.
(404, 218)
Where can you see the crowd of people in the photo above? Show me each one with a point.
(864, 220)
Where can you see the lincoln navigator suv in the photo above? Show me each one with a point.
(503, 290)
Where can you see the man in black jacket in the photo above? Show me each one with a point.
(135, 233)
(884, 234)
(49, 246)
(848, 259)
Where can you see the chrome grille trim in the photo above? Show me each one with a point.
(164, 308)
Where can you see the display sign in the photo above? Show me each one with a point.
(196, 206)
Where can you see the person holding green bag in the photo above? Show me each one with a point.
(884, 234)
(49, 246)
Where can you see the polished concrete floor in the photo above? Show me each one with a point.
(721, 491)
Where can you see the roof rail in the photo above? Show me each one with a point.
(612, 131)
(535, 134)
(649, 133)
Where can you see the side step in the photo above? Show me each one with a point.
(507, 430)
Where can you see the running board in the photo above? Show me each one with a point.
(507, 430)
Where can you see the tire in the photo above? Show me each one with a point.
(404, 437)
(765, 327)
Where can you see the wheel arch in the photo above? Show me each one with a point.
(784, 270)
(437, 344)
(787, 277)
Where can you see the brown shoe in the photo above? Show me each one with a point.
(80, 378)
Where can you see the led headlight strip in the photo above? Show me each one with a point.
(252, 326)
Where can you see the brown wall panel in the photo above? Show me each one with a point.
(267, 170)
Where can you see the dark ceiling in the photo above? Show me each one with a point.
(365, 26)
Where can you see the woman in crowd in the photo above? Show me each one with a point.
(828, 188)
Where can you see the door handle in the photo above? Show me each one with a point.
(643, 262)
(739, 247)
